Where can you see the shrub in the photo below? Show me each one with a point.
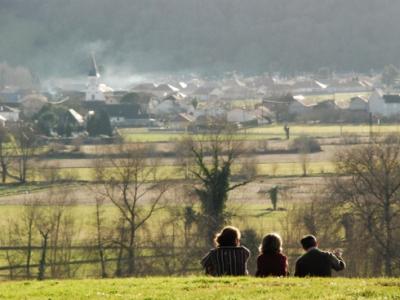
(305, 144)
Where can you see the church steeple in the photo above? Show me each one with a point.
(93, 71)
(94, 90)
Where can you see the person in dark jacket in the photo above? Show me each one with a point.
(316, 262)
(228, 258)
(271, 261)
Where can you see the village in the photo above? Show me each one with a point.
(190, 103)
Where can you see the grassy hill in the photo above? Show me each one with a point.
(204, 288)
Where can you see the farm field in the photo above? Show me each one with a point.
(176, 172)
(204, 288)
(266, 132)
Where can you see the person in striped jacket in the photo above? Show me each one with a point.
(228, 258)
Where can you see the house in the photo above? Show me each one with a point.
(126, 115)
(384, 104)
(2, 121)
(181, 121)
(8, 114)
(121, 115)
(301, 105)
(279, 105)
(355, 104)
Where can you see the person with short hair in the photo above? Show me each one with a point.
(271, 261)
(228, 258)
(316, 262)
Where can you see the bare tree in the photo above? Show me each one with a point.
(54, 221)
(129, 185)
(5, 153)
(99, 235)
(370, 190)
(29, 216)
(26, 144)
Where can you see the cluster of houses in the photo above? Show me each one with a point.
(187, 102)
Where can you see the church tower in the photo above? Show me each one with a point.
(94, 92)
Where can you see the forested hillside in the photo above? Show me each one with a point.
(252, 36)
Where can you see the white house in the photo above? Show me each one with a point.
(358, 103)
(9, 114)
(384, 104)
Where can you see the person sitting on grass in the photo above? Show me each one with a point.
(316, 262)
(228, 258)
(271, 261)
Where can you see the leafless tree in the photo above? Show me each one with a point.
(100, 241)
(5, 153)
(369, 189)
(29, 216)
(26, 144)
(128, 184)
(54, 221)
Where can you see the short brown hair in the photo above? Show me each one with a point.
(228, 236)
(271, 244)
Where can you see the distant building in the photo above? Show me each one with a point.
(95, 90)
(356, 104)
(121, 115)
(8, 114)
(384, 104)
(181, 121)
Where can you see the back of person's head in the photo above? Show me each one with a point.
(308, 241)
(228, 237)
(271, 244)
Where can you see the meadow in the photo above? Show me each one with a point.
(204, 288)
(266, 132)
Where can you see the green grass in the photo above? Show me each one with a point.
(204, 288)
(324, 130)
(266, 132)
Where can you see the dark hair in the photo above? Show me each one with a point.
(229, 236)
(308, 241)
(271, 244)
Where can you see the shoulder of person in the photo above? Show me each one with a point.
(282, 256)
(244, 248)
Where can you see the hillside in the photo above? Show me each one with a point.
(56, 36)
(204, 288)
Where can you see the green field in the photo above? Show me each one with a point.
(266, 132)
(204, 288)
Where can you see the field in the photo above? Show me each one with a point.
(204, 288)
(267, 132)
(249, 206)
